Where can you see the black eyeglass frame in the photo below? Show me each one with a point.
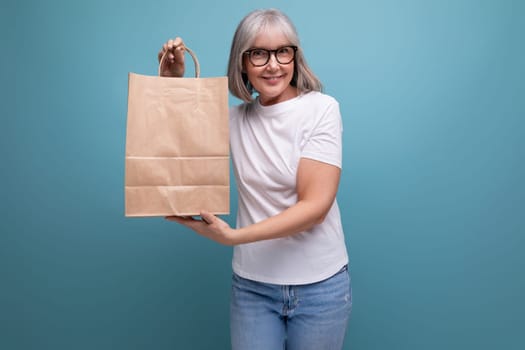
(248, 53)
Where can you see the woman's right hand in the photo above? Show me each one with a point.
(173, 65)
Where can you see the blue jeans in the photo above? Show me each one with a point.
(297, 317)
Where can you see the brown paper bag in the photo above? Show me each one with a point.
(177, 145)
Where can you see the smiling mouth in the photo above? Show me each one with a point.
(273, 77)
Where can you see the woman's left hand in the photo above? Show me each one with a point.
(210, 226)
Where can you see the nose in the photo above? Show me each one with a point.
(272, 63)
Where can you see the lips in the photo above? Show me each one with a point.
(273, 78)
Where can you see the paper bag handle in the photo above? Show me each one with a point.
(193, 56)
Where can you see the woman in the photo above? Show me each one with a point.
(291, 287)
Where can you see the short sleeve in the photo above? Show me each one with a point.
(325, 141)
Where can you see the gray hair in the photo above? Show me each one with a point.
(251, 25)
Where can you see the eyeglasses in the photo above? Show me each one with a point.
(260, 57)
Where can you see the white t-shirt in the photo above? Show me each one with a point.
(266, 145)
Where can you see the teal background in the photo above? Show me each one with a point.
(433, 101)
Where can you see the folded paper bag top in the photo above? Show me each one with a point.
(177, 145)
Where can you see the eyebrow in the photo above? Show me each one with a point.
(264, 48)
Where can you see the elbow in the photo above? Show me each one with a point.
(322, 212)
(319, 219)
(314, 212)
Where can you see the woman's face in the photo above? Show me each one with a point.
(272, 80)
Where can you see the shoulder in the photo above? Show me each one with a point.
(320, 105)
(319, 98)
(236, 110)
(239, 110)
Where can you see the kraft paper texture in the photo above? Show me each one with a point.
(177, 146)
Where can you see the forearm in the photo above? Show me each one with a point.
(300, 217)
